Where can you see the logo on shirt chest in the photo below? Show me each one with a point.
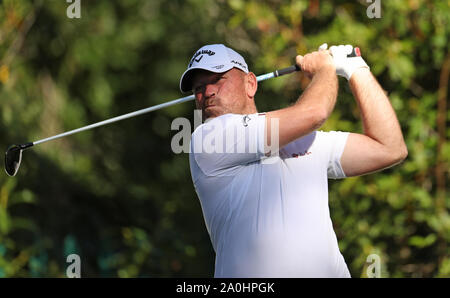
(245, 120)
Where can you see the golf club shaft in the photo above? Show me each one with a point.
(270, 75)
(118, 118)
(260, 78)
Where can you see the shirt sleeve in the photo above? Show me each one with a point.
(220, 146)
(335, 142)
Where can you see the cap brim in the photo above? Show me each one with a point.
(186, 78)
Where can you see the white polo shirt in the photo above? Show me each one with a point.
(267, 217)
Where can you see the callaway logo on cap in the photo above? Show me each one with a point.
(215, 58)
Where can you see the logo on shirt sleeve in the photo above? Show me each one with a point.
(296, 155)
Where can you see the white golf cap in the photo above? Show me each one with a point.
(215, 58)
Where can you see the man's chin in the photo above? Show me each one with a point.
(209, 114)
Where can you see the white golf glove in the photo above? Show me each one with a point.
(345, 66)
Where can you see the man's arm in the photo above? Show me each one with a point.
(315, 104)
(382, 145)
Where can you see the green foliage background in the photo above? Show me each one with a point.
(120, 198)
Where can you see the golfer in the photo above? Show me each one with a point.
(265, 206)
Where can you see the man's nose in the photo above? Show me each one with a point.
(210, 90)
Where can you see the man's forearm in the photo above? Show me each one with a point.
(313, 107)
(321, 93)
(379, 120)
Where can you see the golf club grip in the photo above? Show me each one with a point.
(356, 52)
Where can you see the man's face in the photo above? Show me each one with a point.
(219, 93)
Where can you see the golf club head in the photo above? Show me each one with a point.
(13, 157)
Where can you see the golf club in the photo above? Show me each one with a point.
(13, 155)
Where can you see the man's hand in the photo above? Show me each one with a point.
(315, 62)
(346, 66)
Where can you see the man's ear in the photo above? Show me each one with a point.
(251, 85)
